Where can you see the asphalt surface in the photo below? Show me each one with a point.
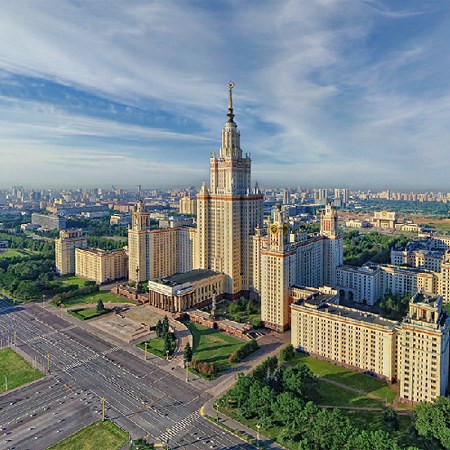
(141, 397)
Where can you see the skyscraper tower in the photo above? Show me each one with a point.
(139, 245)
(333, 246)
(229, 211)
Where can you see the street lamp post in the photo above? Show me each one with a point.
(103, 408)
(187, 371)
(167, 355)
(217, 412)
(167, 443)
(258, 426)
(48, 362)
(6, 383)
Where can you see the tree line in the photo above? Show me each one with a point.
(280, 394)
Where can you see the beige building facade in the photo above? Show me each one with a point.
(101, 266)
(228, 212)
(414, 352)
(65, 247)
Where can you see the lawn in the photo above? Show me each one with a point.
(99, 435)
(348, 377)
(155, 346)
(104, 296)
(213, 345)
(73, 280)
(16, 369)
(329, 394)
(88, 313)
(12, 253)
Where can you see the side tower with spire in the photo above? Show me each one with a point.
(229, 211)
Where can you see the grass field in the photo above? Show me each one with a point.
(88, 313)
(16, 370)
(73, 280)
(12, 253)
(155, 346)
(348, 377)
(105, 296)
(99, 435)
(329, 394)
(213, 345)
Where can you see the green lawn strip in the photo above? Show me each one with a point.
(329, 394)
(16, 370)
(104, 296)
(99, 435)
(10, 253)
(213, 345)
(348, 377)
(154, 346)
(73, 280)
(88, 313)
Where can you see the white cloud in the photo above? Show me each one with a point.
(344, 100)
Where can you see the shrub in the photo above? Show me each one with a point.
(204, 367)
(247, 349)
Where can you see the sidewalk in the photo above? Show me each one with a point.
(208, 410)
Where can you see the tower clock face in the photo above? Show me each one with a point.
(274, 228)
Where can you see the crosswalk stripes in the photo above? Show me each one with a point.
(178, 427)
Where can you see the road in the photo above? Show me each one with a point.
(143, 398)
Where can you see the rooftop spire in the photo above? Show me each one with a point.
(230, 102)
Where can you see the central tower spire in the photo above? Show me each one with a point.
(230, 102)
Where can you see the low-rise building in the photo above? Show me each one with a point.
(48, 221)
(182, 291)
(385, 219)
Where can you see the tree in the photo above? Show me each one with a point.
(390, 416)
(433, 420)
(158, 329)
(299, 381)
(165, 326)
(187, 356)
(287, 353)
(100, 306)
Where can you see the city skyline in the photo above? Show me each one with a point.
(133, 94)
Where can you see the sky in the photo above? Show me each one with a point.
(329, 93)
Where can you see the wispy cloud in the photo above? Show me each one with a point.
(328, 92)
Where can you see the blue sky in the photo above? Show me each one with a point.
(328, 92)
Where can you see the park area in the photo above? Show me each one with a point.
(213, 346)
(274, 393)
(14, 253)
(15, 371)
(99, 435)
